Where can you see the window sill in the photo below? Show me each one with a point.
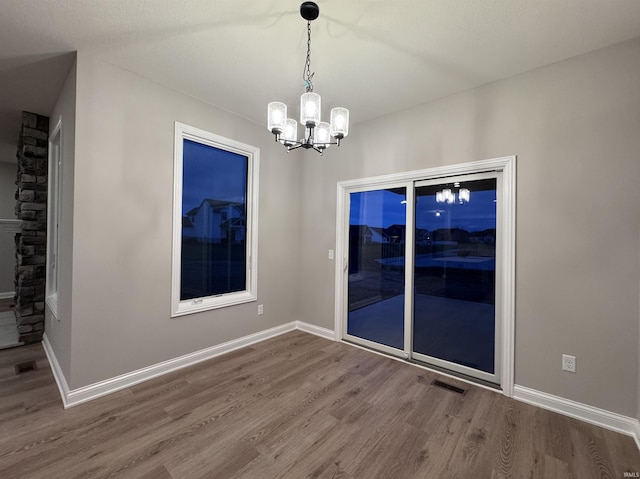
(213, 302)
(52, 303)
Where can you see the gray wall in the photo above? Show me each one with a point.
(575, 128)
(58, 328)
(7, 211)
(122, 228)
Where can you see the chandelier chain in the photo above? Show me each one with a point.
(307, 76)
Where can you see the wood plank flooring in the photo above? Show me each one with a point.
(296, 406)
(8, 328)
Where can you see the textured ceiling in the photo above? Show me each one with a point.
(371, 56)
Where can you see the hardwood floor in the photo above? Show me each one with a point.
(294, 406)
(8, 328)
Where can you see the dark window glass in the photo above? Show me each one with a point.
(214, 211)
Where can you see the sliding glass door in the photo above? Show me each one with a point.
(420, 271)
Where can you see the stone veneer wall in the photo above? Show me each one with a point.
(31, 242)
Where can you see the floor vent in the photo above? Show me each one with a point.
(450, 387)
(25, 367)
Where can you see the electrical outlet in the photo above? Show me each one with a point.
(260, 309)
(568, 363)
(330, 255)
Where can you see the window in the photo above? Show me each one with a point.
(53, 215)
(214, 221)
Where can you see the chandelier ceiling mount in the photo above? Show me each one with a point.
(309, 11)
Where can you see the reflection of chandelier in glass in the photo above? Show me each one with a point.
(447, 195)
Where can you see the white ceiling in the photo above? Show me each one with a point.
(371, 56)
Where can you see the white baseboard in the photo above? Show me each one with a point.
(317, 330)
(7, 295)
(81, 395)
(636, 432)
(58, 375)
(592, 415)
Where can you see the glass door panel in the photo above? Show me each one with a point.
(455, 275)
(376, 267)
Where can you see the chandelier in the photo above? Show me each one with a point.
(447, 195)
(319, 135)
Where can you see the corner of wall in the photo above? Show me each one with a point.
(638, 391)
(58, 326)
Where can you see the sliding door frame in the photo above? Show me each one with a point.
(506, 298)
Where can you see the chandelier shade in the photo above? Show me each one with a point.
(277, 115)
(339, 122)
(310, 108)
(323, 134)
(319, 135)
(290, 133)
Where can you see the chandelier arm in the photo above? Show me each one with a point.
(292, 144)
(306, 141)
(327, 143)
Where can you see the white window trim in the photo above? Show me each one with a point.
(54, 192)
(181, 308)
(507, 165)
